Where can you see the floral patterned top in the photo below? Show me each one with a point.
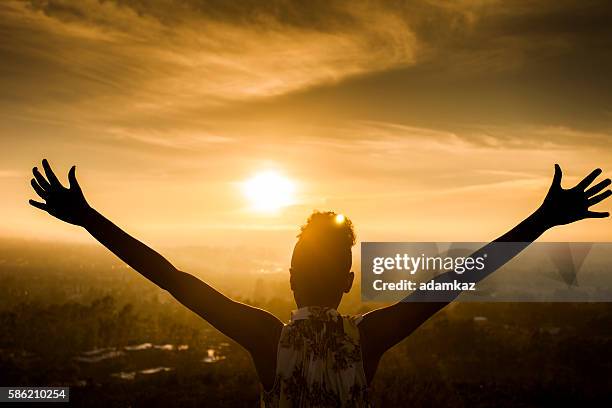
(319, 362)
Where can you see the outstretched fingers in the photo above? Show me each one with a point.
(39, 190)
(596, 214)
(42, 181)
(588, 179)
(557, 177)
(599, 198)
(40, 206)
(53, 180)
(597, 188)
(74, 184)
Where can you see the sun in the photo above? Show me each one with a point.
(269, 191)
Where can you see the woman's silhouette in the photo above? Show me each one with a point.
(320, 358)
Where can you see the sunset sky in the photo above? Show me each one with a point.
(429, 120)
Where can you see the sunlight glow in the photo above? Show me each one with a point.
(339, 218)
(269, 191)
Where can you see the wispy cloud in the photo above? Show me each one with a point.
(10, 174)
(109, 57)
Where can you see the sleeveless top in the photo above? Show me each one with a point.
(319, 362)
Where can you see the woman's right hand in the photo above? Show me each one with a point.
(66, 204)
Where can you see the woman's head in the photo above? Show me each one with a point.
(322, 259)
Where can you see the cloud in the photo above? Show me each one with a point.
(180, 140)
(10, 174)
(188, 74)
(381, 136)
(504, 35)
(118, 57)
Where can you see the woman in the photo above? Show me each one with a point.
(319, 358)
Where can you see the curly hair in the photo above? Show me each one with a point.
(329, 227)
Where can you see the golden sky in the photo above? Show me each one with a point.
(429, 120)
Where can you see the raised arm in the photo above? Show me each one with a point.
(255, 329)
(383, 328)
